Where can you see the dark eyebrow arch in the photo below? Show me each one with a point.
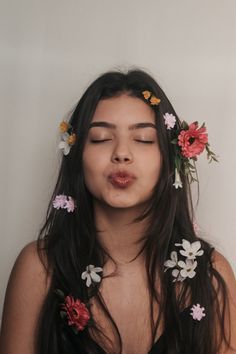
(131, 127)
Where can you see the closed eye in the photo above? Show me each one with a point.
(99, 141)
(145, 141)
(139, 141)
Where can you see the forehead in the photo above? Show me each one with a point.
(124, 109)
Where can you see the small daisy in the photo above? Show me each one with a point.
(197, 312)
(91, 274)
(170, 120)
(188, 268)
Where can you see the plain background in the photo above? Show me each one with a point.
(52, 49)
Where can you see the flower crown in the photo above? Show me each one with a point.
(189, 141)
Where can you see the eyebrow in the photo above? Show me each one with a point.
(131, 127)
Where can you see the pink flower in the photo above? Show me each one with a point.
(197, 312)
(193, 141)
(64, 202)
(69, 205)
(169, 120)
(76, 312)
(59, 201)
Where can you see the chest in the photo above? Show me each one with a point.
(128, 302)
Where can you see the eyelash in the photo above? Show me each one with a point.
(140, 141)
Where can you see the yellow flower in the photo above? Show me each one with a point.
(64, 126)
(71, 139)
(154, 101)
(146, 94)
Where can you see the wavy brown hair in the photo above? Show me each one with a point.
(70, 242)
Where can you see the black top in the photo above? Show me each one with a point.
(160, 346)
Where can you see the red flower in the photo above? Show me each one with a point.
(77, 313)
(193, 141)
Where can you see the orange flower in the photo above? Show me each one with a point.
(64, 126)
(71, 139)
(146, 94)
(154, 101)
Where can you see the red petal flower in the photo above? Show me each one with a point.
(192, 141)
(77, 313)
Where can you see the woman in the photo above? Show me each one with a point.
(118, 267)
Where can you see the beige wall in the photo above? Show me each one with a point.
(51, 50)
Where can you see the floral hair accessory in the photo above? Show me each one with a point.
(74, 311)
(152, 99)
(68, 138)
(189, 141)
(91, 274)
(184, 269)
(197, 312)
(64, 202)
(170, 120)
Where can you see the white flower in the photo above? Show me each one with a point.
(190, 250)
(178, 183)
(64, 145)
(169, 120)
(176, 274)
(173, 261)
(91, 274)
(188, 268)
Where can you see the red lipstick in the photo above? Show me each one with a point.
(121, 179)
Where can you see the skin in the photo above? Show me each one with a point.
(123, 148)
(114, 210)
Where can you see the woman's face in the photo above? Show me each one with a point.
(121, 158)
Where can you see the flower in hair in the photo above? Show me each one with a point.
(190, 250)
(169, 120)
(178, 182)
(152, 99)
(74, 311)
(68, 138)
(90, 274)
(197, 312)
(193, 140)
(64, 202)
(189, 142)
(184, 269)
(188, 268)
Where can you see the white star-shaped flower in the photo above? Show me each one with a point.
(91, 274)
(173, 261)
(190, 250)
(188, 268)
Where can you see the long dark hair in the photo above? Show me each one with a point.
(69, 242)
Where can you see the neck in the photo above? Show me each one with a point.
(118, 234)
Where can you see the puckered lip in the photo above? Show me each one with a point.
(121, 174)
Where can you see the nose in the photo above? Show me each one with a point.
(121, 154)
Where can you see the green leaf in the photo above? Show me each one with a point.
(60, 293)
(184, 125)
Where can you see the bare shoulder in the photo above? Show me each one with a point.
(222, 265)
(27, 288)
